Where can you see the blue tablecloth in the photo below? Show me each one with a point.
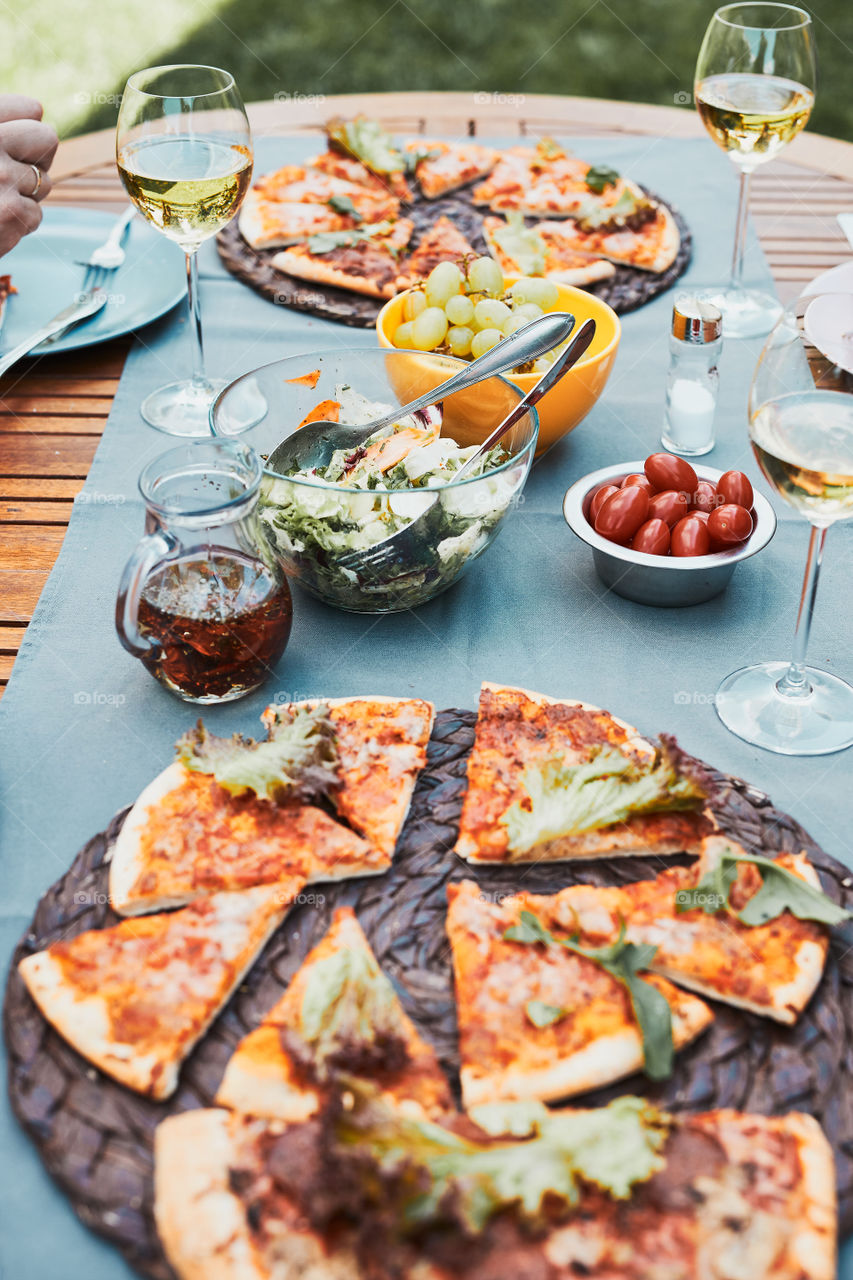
(84, 727)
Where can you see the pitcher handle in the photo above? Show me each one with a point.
(150, 550)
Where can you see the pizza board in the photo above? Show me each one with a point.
(95, 1137)
(624, 291)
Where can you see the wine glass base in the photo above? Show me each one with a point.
(747, 313)
(183, 408)
(750, 705)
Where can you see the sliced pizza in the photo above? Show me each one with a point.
(551, 779)
(365, 260)
(442, 167)
(623, 1191)
(540, 1021)
(547, 181)
(365, 141)
(135, 998)
(442, 242)
(381, 748)
(340, 1012)
(650, 243)
(187, 836)
(771, 968)
(529, 251)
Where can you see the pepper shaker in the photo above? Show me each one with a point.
(695, 343)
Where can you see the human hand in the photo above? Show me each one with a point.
(27, 145)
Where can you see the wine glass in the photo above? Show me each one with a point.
(754, 89)
(184, 153)
(801, 429)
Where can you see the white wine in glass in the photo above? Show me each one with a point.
(184, 153)
(754, 90)
(801, 429)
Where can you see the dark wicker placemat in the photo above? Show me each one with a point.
(624, 291)
(95, 1136)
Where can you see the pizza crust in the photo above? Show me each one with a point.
(201, 1223)
(127, 863)
(813, 1247)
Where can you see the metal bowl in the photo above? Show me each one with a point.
(660, 580)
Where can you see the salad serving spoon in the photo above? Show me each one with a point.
(313, 445)
(394, 555)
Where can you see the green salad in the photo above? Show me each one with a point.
(363, 497)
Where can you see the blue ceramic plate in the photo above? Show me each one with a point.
(44, 269)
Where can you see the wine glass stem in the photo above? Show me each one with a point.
(795, 683)
(740, 229)
(194, 300)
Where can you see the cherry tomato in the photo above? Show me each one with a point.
(638, 479)
(729, 525)
(701, 515)
(621, 515)
(734, 487)
(690, 537)
(652, 538)
(668, 471)
(705, 497)
(669, 506)
(598, 498)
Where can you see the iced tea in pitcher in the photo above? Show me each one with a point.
(202, 604)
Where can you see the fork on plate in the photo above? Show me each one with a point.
(108, 256)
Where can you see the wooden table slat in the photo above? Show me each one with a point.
(37, 455)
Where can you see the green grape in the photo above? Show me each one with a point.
(543, 292)
(459, 339)
(484, 341)
(485, 276)
(443, 283)
(459, 310)
(490, 314)
(413, 304)
(512, 324)
(429, 329)
(528, 311)
(403, 335)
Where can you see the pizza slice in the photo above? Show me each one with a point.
(365, 141)
(364, 260)
(530, 251)
(623, 1190)
(135, 998)
(231, 813)
(551, 779)
(269, 224)
(339, 1012)
(542, 1022)
(381, 748)
(649, 242)
(303, 184)
(772, 969)
(442, 167)
(442, 242)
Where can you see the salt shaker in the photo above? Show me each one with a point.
(695, 343)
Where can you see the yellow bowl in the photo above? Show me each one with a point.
(563, 407)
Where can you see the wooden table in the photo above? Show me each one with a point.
(53, 410)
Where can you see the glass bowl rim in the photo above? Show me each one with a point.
(327, 487)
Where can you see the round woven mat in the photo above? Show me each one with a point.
(95, 1136)
(624, 291)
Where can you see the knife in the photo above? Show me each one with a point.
(84, 307)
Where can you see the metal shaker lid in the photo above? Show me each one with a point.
(696, 321)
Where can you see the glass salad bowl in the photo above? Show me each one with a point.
(326, 530)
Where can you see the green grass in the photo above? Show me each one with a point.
(76, 57)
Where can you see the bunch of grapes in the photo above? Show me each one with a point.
(466, 313)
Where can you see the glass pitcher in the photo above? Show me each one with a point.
(202, 603)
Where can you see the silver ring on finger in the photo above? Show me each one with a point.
(39, 176)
